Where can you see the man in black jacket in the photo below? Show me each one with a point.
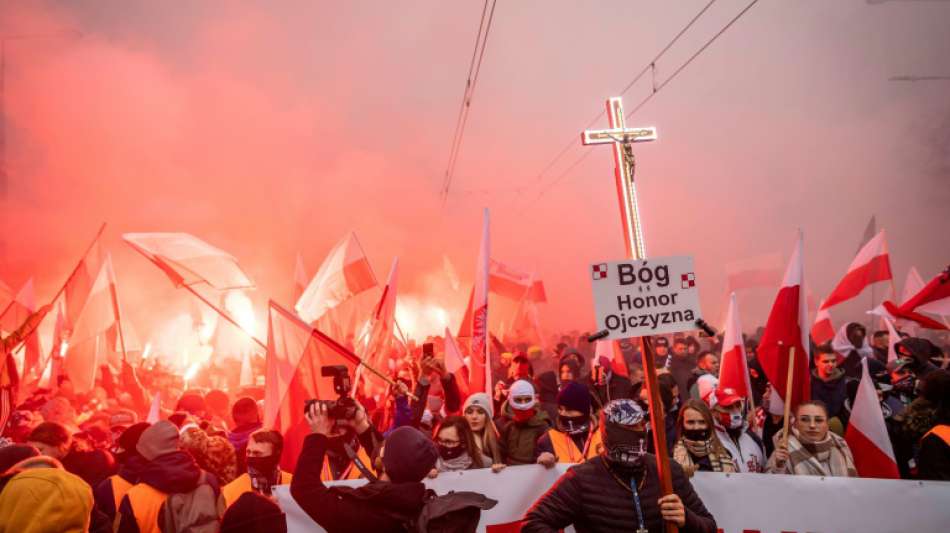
(388, 504)
(619, 490)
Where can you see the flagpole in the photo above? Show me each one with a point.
(789, 379)
(225, 315)
(339, 348)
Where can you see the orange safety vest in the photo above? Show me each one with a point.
(942, 431)
(146, 502)
(567, 452)
(351, 471)
(233, 490)
(119, 489)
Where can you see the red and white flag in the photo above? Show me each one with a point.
(80, 281)
(822, 330)
(455, 363)
(871, 265)
(295, 354)
(867, 434)
(733, 366)
(187, 260)
(376, 351)
(610, 349)
(300, 278)
(18, 310)
(933, 298)
(88, 346)
(892, 339)
(787, 327)
(344, 273)
(515, 284)
(479, 368)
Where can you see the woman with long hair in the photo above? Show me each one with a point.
(698, 447)
(478, 413)
(457, 448)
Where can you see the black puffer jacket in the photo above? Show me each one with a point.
(591, 499)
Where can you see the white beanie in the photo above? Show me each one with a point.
(482, 400)
(521, 388)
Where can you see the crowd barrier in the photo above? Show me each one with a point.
(740, 502)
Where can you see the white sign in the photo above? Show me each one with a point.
(649, 297)
(766, 503)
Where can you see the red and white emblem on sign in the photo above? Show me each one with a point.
(599, 271)
(689, 280)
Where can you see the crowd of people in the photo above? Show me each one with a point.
(110, 461)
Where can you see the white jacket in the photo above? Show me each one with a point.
(747, 454)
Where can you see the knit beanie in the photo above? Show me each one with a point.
(251, 513)
(574, 396)
(480, 399)
(408, 455)
(159, 439)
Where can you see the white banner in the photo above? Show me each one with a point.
(739, 502)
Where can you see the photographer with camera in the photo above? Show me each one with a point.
(263, 473)
(352, 439)
(397, 501)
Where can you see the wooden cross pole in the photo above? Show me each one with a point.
(621, 138)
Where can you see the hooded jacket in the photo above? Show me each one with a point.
(590, 497)
(172, 473)
(45, 500)
(518, 440)
(378, 507)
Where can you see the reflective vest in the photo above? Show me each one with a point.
(119, 489)
(351, 471)
(942, 431)
(233, 490)
(567, 452)
(146, 502)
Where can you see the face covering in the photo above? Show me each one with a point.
(572, 425)
(905, 385)
(448, 454)
(625, 447)
(262, 465)
(730, 420)
(696, 434)
(523, 416)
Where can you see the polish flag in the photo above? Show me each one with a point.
(17, 311)
(610, 349)
(455, 363)
(871, 265)
(88, 348)
(80, 281)
(465, 328)
(515, 284)
(913, 283)
(787, 328)
(300, 278)
(295, 354)
(733, 367)
(376, 351)
(479, 369)
(344, 273)
(867, 433)
(892, 339)
(822, 330)
(934, 299)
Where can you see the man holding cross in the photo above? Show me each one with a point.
(620, 487)
(625, 485)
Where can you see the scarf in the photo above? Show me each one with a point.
(685, 450)
(462, 462)
(829, 457)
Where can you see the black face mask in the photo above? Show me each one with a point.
(696, 434)
(448, 454)
(572, 425)
(262, 465)
(625, 447)
(906, 385)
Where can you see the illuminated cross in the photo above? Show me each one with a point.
(621, 137)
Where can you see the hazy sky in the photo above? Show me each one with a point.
(269, 128)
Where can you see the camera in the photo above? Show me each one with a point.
(344, 407)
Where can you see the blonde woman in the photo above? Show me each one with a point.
(479, 413)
